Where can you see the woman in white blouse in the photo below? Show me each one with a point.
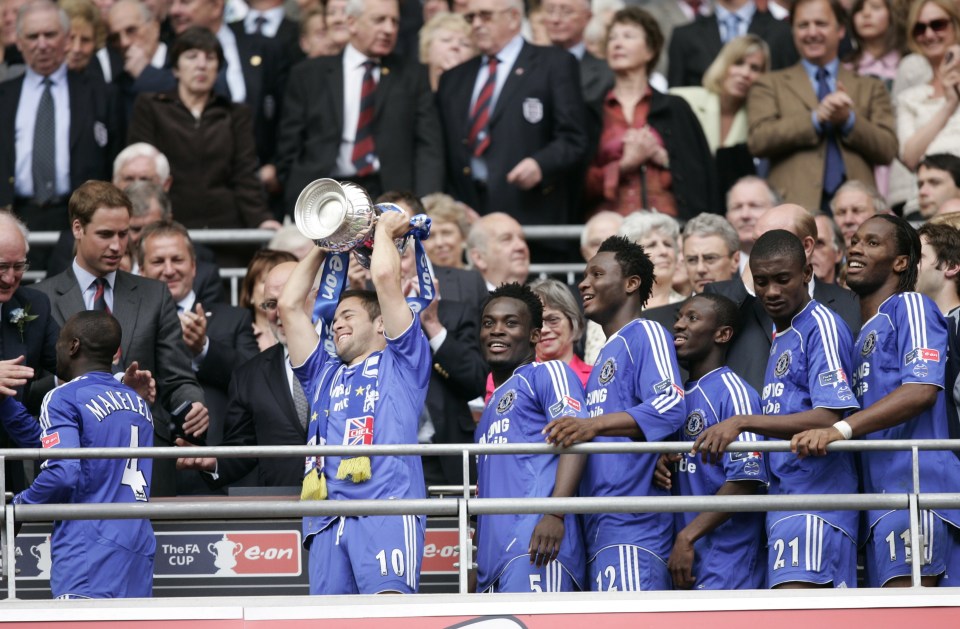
(927, 118)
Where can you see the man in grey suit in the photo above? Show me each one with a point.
(100, 221)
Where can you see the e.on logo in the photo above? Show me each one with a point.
(441, 549)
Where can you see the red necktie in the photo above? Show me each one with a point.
(99, 299)
(364, 151)
(479, 136)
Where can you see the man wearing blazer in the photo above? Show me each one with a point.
(365, 115)
(516, 138)
(261, 409)
(747, 355)
(100, 219)
(694, 46)
(814, 144)
(26, 329)
(78, 109)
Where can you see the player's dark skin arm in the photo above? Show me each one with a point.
(566, 431)
(548, 534)
(901, 404)
(713, 442)
(680, 563)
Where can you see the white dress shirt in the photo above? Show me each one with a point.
(506, 59)
(272, 16)
(228, 41)
(25, 122)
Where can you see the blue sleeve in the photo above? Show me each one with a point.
(921, 341)
(559, 391)
(828, 349)
(59, 419)
(411, 351)
(662, 410)
(742, 399)
(309, 372)
(19, 424)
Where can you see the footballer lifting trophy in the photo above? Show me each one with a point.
(340, 217)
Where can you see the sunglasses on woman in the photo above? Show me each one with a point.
(937, 26)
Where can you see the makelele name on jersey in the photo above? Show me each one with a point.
(111, 401)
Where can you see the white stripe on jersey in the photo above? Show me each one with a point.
(738, 393)
(916, 316)
(661, 356)
(828, 331)
(561, 387)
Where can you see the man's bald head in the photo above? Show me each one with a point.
(13, 250)
(794, 219)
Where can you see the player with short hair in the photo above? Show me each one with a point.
(714, 550)
(370, 391)
(92, 558)
(634, 393)
(525, 552)
(805, 386)
(899, 381)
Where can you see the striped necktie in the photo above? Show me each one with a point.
(479, 136)
(364, 151)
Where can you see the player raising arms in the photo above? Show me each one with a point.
(526, 397)
(633, 393)
(805, 386)
(901, 358)
(370, 392)
(91, 558)
(709, 545)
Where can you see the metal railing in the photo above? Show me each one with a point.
(465, 506)
(262, 236)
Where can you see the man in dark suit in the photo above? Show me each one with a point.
(748, 354)
(57, 125)
(515, 125)
(135, 36)
(28, 334)
(566, 21)
(261, 408)
(366, 115)
(100, 219)
(694, 46)
(819, 123)
(219, 336)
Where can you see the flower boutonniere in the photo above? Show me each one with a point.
(20, 317)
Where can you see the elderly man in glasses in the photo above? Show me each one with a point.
(28, 334)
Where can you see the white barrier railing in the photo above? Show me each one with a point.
(465, 506)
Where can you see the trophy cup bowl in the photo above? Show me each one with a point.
(340, 216)
(336, 216)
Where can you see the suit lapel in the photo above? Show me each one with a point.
(797, 81)
(388, 77)
(13, 344)
(247, 51)
(69, 296)
(275, 374)
(126, 308)
(78, 110)
(710, 34)
(463, 94)
(526, 62)
(335, 87)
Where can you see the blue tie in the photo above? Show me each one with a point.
(732, 27)
(834, 171)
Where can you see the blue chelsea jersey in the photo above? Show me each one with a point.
(93, 411)
(519, 409)
(906, 343)
(809, 368)
(377, 401)
(717, 396)
(636, 372)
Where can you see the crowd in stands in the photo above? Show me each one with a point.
(690, 128)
